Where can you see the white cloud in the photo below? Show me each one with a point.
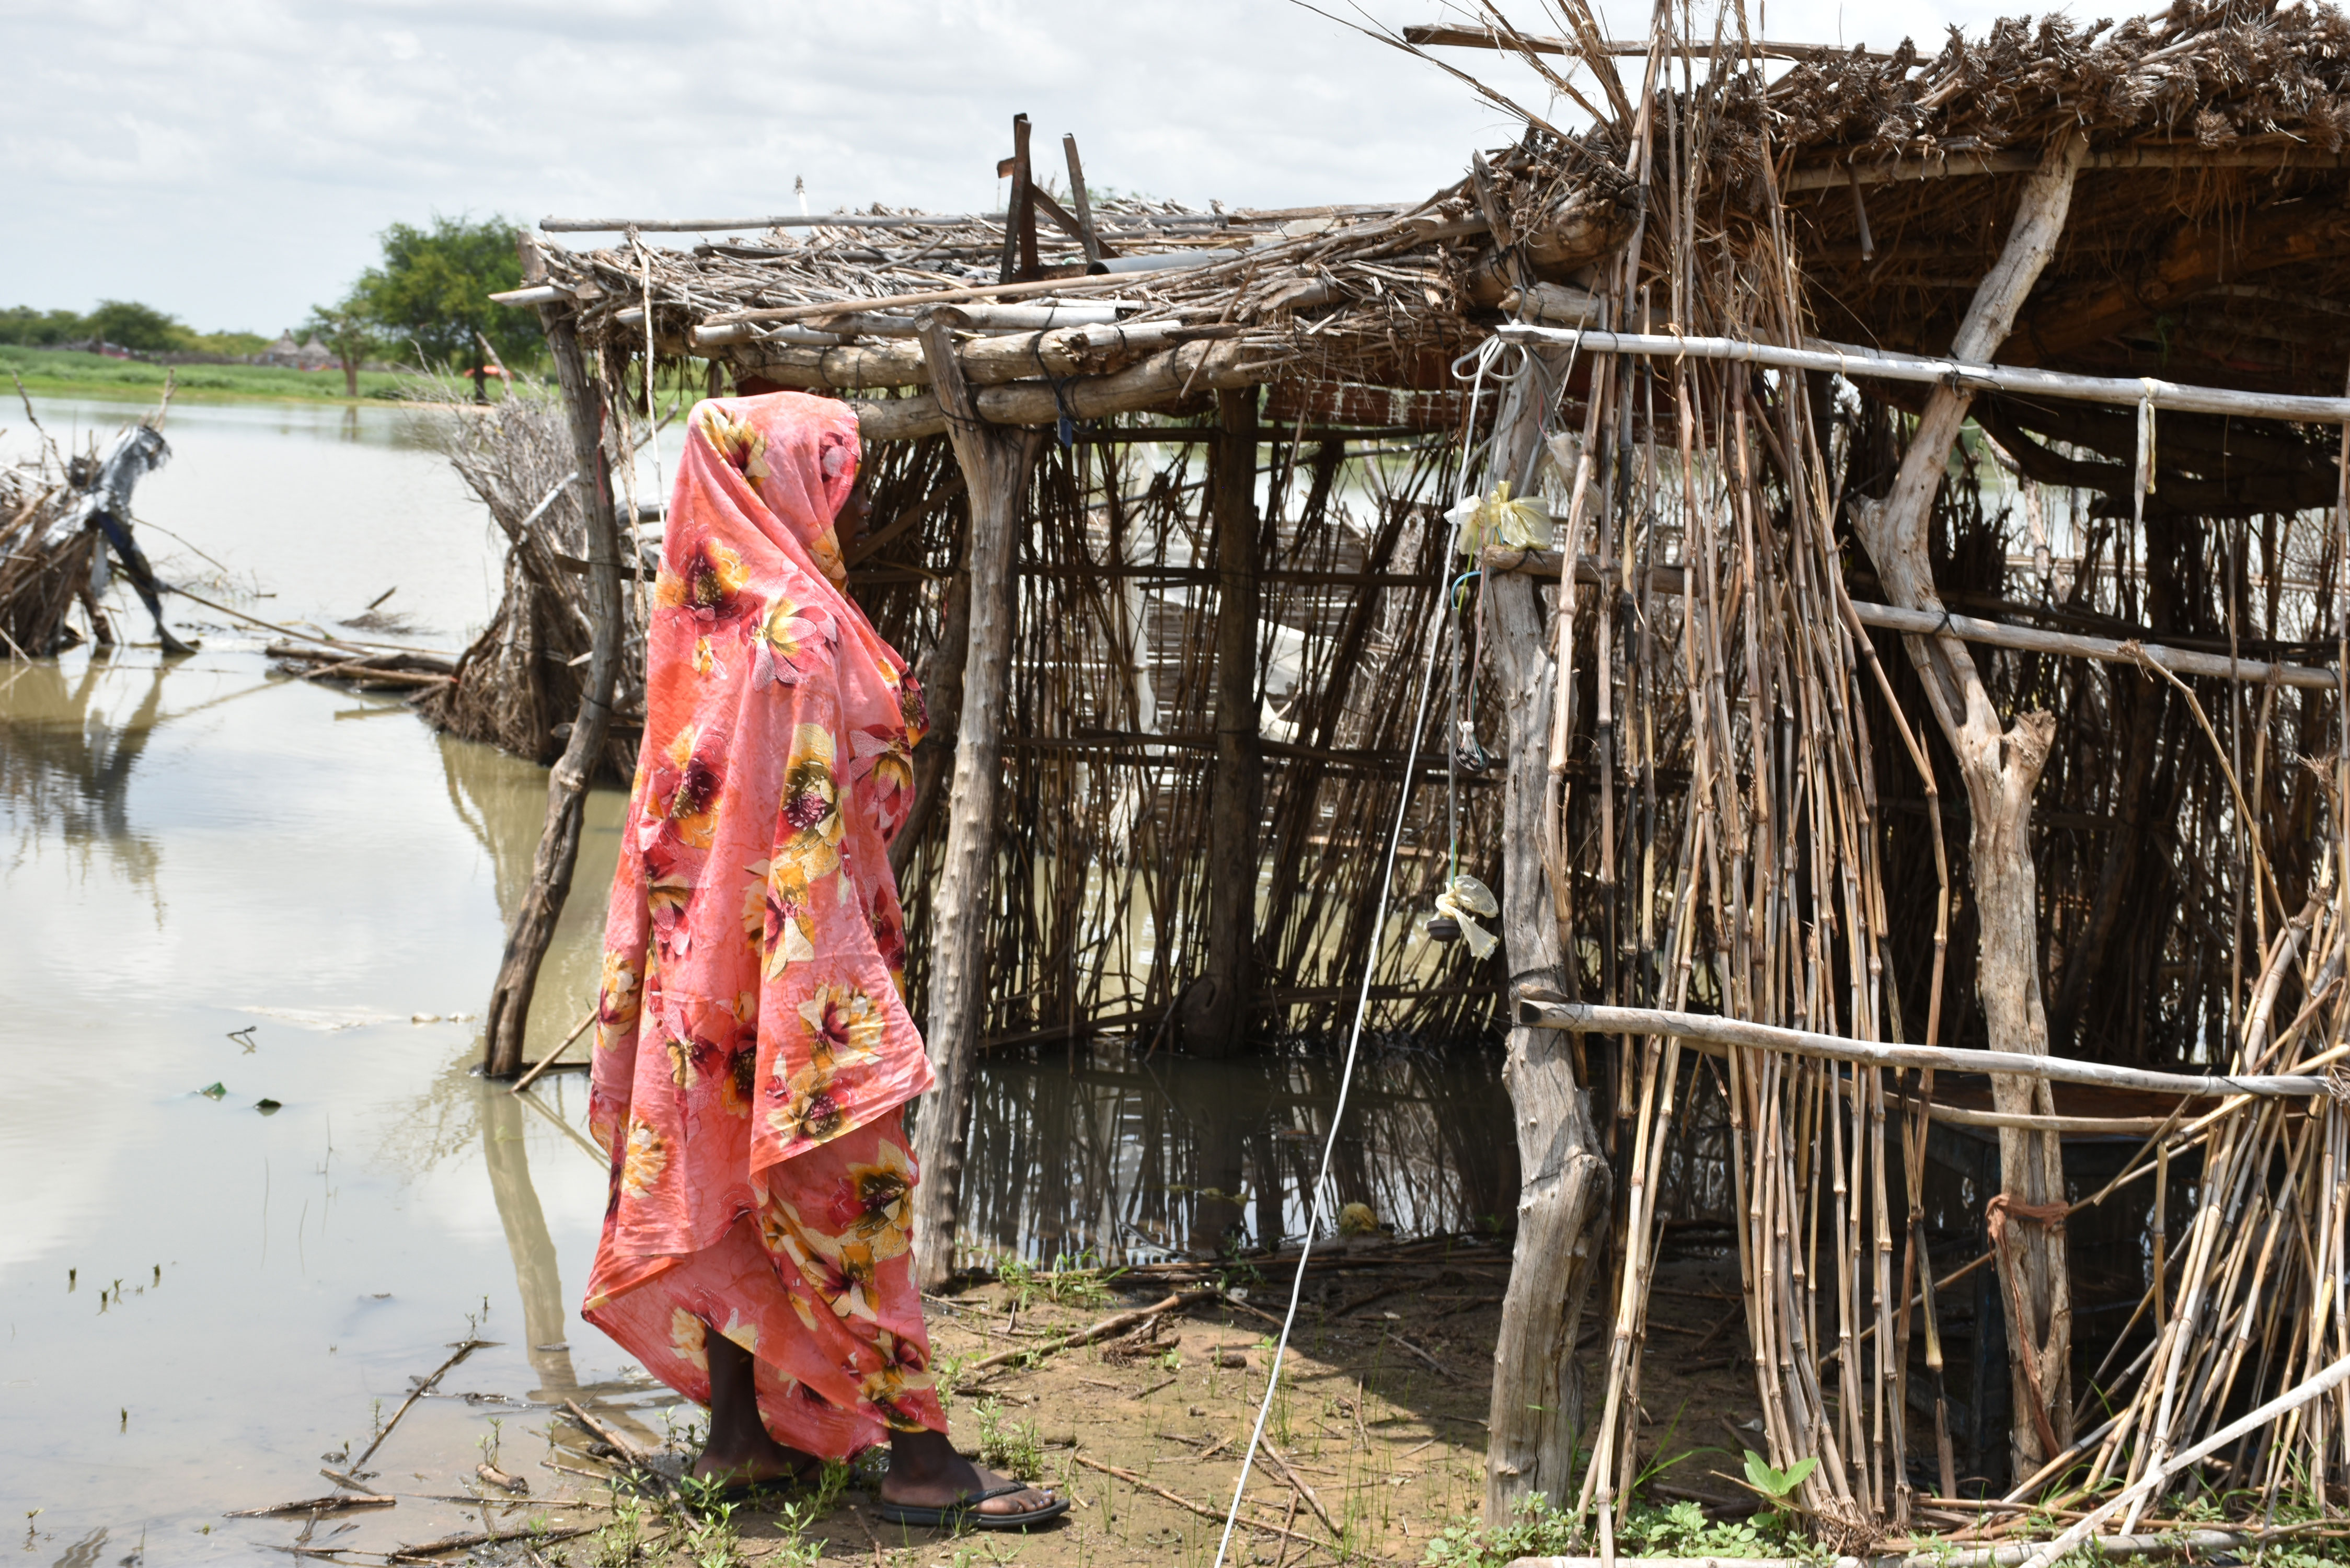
(231, 161)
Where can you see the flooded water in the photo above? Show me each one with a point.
(249, 1186)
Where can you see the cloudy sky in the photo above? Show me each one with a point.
(231, 161)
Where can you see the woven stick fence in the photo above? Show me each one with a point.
(1761, 816)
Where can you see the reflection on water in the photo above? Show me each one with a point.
(65, 769)
(1127, 1157)
(224, 887)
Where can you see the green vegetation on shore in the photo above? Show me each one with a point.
(70, 373)
(427, 304)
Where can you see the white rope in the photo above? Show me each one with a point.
(1486, 353)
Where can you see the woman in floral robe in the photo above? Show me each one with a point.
(753, 1053)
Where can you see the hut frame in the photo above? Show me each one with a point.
(1740, 709)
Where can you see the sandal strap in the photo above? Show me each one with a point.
(1007, 1490)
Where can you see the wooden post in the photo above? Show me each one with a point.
(941, 676)
(567, 786)
(1215, 1015)
(996, 462)
(1999, 764)
(1083, 205)
(1536, 1414)
(1020, 211)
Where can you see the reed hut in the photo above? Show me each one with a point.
(1849, 543)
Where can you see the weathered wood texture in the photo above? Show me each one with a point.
(1536, 1418)
(1215, 1014)
(1999, 764)
(995, 467)
(567, 785)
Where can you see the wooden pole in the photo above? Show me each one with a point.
(1536, 1413)
(1087, 234)
(1999, 764)
(1215, 1015)
(567, 785)
(1971, 370)
(1713, 1029)
(995, 465)
(1969, 628)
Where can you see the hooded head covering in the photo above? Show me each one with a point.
(750, 1006)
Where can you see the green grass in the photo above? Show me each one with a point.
(64, 373)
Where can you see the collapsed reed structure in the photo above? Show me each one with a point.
(1924, 657)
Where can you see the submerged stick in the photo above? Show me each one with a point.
(464, 1348)
(541, 1066)
(337, 1503)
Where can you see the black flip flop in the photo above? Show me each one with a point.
(965, 1511)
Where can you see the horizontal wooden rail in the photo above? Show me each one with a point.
(1852, 360)
(1708, 1029)
(1971, 629)
(1954, 165)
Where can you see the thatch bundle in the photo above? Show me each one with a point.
(518, 684)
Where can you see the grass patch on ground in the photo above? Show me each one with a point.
(70, 373)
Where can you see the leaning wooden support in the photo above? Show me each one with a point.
(995, 466)
(1965, 371)
(1708, 1029)
(2000, 763)
(567, 785)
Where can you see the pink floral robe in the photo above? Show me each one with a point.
(753, 1053)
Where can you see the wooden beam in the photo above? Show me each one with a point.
(1163, 381)
(995, 466)
(2197, 256)
(1969, 628)
(1852, 360)
(1447, 35)
(1959, 165)
(1707, 1029)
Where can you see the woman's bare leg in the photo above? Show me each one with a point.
(739, 1449)
(926, 1471)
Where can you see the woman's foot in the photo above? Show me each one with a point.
(739, 1452)
(926, 1472)
(751, 1462)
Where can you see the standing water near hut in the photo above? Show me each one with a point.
(252, 1187)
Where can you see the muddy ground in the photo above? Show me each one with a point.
(1380, 1419)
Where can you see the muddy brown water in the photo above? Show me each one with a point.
(215, 878)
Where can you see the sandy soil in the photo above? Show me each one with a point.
(1380, 1420)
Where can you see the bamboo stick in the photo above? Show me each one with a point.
(1852, 360)
(1586, 1018)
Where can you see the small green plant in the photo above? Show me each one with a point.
(1775, 1486)
(1011, 1447)
(711, 1539)
(489, 1442)
(1536, 1530)
(620, 1543)
(1682, 1529)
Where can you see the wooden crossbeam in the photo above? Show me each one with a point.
(1852, 360)
(1969, 628)
(1447, 35)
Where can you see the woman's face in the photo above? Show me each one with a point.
(849, 526)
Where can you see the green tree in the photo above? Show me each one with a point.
(433, 288)
(344, 328)
(30, 329)
(136, 326)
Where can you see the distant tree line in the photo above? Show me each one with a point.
(426, 304)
